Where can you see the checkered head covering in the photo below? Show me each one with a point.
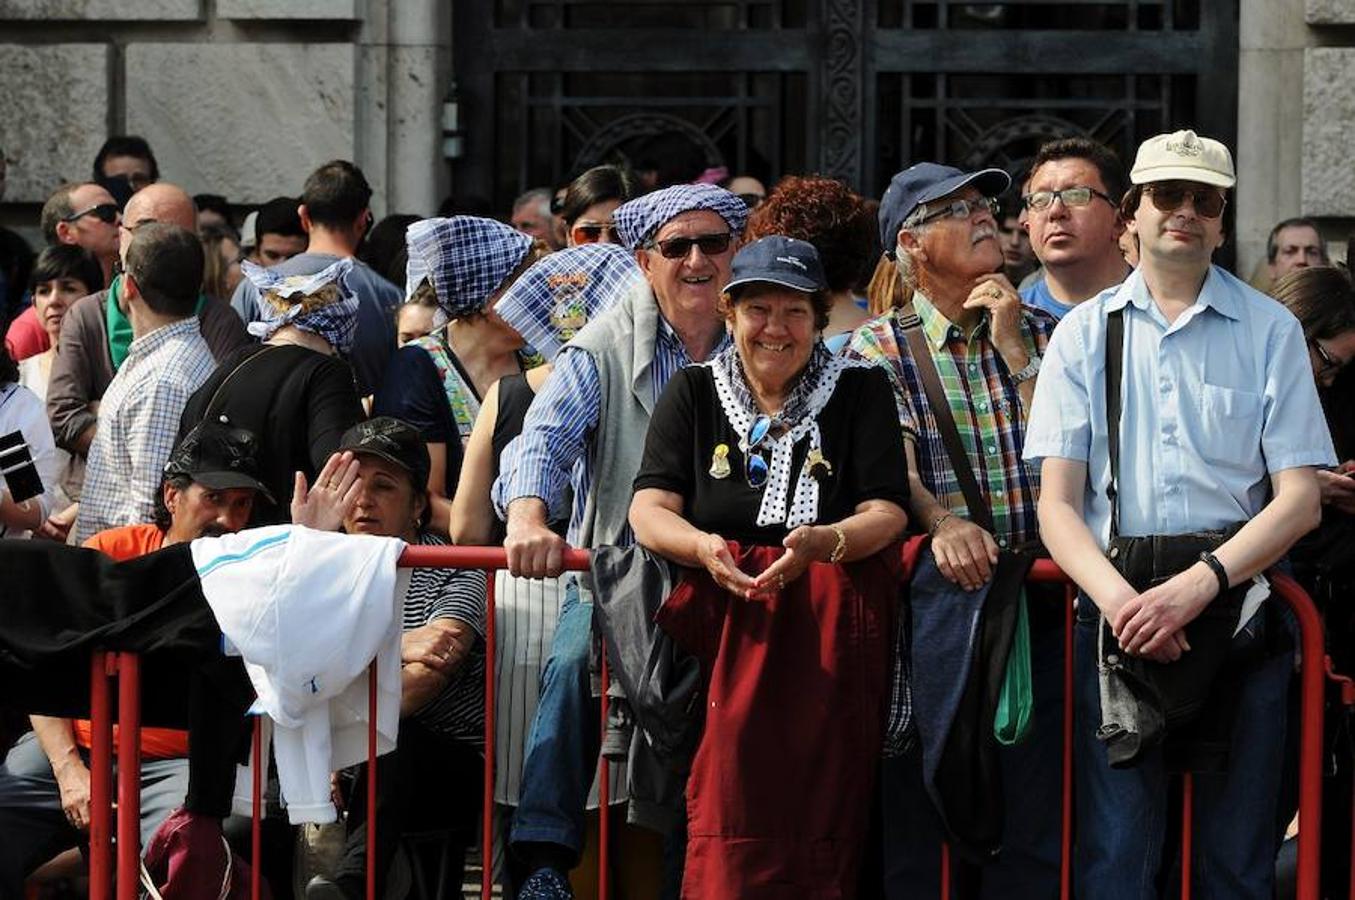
(322, 303)
(466, 258)
(638, 220)
(559, 294)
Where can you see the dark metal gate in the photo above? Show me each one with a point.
(853, 88)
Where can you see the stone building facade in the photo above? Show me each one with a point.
(244, 97)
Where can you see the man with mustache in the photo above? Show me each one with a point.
(938, 225)
(1071, 205)
(1202, 464)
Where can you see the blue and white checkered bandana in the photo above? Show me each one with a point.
(322, 303)
(638, 220)
(466, 258)
(561, 293)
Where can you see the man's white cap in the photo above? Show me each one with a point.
(1183, 156)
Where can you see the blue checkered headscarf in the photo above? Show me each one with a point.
(322, 303)
(559, 294)
(638, 220)
(466, 258)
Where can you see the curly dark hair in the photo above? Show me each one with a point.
(829, 215)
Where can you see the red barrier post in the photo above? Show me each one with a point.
(256, 813)
(491, 699)
(371, 781)
(129, 776)
(1311, 713)
(100, 777)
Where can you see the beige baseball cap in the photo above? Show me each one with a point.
(1183, 156)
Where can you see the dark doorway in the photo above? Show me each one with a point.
(852, 88)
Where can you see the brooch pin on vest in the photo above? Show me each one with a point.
(817, 467)
(719, 462)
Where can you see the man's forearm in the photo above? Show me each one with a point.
(1295, 510)
(56, 737)
(1072, 545)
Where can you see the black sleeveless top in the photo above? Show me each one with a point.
(515, 395)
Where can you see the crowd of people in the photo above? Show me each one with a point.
(743, 401)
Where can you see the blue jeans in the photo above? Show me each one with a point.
(1028, 867)
(1122, 813)
(562, 749)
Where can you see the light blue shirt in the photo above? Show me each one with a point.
(1038, 296)
(1213, 404)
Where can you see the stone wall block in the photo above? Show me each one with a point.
(1330, 12)
(249, 121)
(1328, 131)
(54, 107)
(101, 10)
(287, 9)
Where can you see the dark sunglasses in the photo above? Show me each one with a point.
(751, 200)
(1208, 202)
(591, 234)
(755, 467)
(104, 212)
(680, 247)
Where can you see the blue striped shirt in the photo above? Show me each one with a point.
(559, 435)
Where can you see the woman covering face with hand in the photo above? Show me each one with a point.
(772, 473)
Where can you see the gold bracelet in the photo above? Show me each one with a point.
(937, 524)
(841, 549)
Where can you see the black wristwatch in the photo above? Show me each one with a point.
(1220, 572)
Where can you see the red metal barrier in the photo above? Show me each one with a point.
(1312, 674)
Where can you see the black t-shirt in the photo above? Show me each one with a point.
(412, 392)
(297, 402)
(861, 440)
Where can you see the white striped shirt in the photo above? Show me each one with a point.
(458, 711)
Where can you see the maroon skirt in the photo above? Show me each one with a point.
(779, 796)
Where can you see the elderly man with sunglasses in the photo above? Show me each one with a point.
(1178, 434)
(586, 429)
(982, 352)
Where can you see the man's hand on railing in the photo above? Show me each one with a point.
(325, 506)
(534, 551)
(965, 553)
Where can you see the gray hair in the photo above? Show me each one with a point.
(903, 260)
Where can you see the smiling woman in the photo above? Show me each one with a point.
(795, 456)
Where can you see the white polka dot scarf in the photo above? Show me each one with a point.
(797, 419)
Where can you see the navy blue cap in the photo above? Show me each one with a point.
(777, 259)
(924, 182)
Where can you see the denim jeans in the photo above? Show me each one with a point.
(1028, 867)
(1122, 813)
(562, 748)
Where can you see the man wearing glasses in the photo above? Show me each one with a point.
(984, 349)
(1071, 204)
(586, 429)
(1209, 444)
(86, 215)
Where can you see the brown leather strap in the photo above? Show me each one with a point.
(979, 510)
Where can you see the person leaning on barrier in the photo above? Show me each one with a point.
(1211, 440)
(794, 454)
(432, 780)
(585, 429)
(983, 350)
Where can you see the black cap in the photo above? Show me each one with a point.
(394, 441)
(780, 260)
(923, 183)
(218, 456)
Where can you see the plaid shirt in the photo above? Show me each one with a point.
(984, 402)
(138, 422)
